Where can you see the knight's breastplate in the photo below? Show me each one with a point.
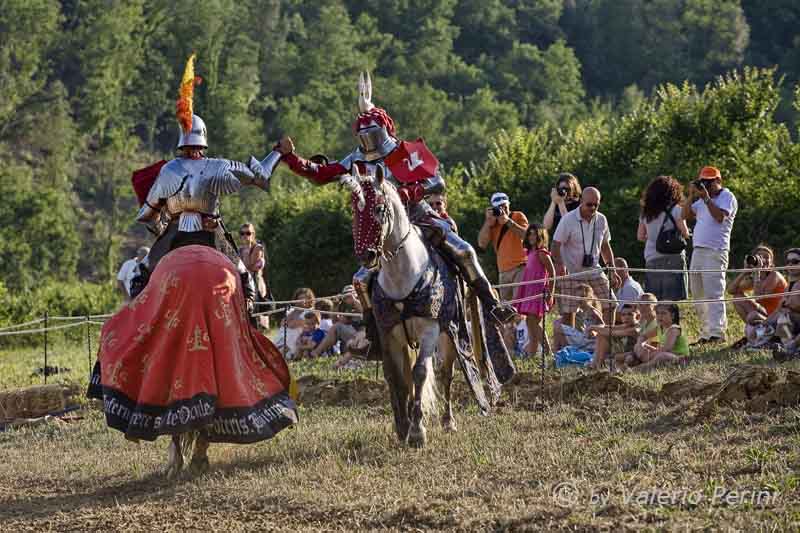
(192, 188)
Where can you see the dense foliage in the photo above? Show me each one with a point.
(538, 86)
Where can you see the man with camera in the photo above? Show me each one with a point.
(766, 285)
(713, 207)
(582, 237)
(505, 229)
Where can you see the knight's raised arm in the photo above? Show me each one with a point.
(315, 172)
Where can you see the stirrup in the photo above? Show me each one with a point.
(503, 313)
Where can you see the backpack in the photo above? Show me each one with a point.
(670, 241)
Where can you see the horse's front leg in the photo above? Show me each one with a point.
(424, 379)
(200, 464)
(174, 457)
(447, 352)
(394, 371)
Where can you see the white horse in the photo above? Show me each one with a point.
(384, 236)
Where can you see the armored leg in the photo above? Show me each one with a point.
(362, 282)
(463, 255)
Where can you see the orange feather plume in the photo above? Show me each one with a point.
(184, 107)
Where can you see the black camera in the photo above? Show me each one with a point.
(699, 184)
(497, 211)
(588, 261)
(754, 261)
(562, 191)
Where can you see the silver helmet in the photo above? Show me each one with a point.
(197, 136)
(375, 142)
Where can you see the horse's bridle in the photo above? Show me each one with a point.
(384, 216)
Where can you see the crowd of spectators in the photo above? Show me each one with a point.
(608, 315)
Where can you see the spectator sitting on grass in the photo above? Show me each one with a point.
(671, 345)
(768, 283)
(619, 339)
(587, 315)
(325, 307)
(311, 336)
(354, 349)
(292, 325)
(629, 290)
(648, 327)
(344, 325)
(784, 324)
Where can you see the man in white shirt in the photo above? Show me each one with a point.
(630, 290)
(129, 270)
(714, 208)
(581, 238)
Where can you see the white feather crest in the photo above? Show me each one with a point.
(365, 92)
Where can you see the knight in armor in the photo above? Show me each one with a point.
(181, 358)
(182, 205)
(413, 169)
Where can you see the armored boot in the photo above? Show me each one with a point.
(463, 255)
(362, 282)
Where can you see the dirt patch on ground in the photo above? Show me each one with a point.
(757, 388)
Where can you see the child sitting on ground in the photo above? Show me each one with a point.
(311, 336)
(325, 307)
(580, 337)
(620, 339)
(648, 327)
(671, 345)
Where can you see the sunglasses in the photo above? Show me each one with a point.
(436, 204)
(793, 262)
(592, 205)
(245, 233)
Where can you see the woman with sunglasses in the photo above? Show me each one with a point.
(254, 258)
(564, 197)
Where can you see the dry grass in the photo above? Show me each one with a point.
(341, 468)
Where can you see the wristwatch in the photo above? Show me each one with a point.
(707, 200)
(508, 223)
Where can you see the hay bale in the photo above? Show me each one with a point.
(33, 402)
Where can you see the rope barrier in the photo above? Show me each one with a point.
(41, 330)
(290, 302)
(554, 278)
(706, 271)
(31, 323)
(687, 301)
(272, 312)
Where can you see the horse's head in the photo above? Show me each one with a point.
(372, 215)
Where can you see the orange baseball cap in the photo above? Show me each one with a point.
(710, 173)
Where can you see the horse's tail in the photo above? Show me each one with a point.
(430, 407)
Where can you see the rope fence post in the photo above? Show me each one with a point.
(89, 344)
(285, 326)
(44, 368)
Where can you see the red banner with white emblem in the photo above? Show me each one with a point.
(412, 161)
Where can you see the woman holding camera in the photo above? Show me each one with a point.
(661, 211)
(564, 197)
(766, 284)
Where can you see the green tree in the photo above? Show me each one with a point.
(29, 29)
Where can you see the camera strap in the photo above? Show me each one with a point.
(502, 234)
(583, 237)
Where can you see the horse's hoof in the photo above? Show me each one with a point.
(173, 470)
(199, 466)
(417, 439)
(449, 425)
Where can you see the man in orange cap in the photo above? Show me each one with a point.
(713, 207)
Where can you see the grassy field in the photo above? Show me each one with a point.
(569, 459)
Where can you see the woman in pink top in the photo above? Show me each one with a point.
(540, 295)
